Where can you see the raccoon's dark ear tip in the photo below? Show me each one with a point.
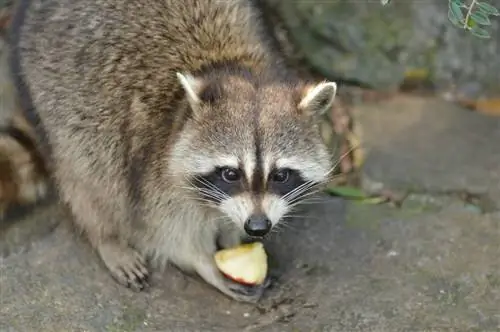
(211, 92)
(316, 99)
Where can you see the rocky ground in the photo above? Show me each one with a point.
(431, 265)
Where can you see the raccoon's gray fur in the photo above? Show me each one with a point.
(170, 127)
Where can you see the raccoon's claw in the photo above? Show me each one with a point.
(136, 277)
(251, 291)
(239, 292)
(126, 266)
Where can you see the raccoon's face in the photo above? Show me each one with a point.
(252, 150)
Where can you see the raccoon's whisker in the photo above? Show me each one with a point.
(285, 225)
(308, 185)
(301, 202)
(199, 197)
(215, 194)
(305, 191)
(303, 216)
(203, 202)
(292, 213)
(313, 199)
(345, 154)
(208, 194)
(212, 194)
(296, 189)
(299, 189)
(277, 228)
(207, 197)
(200, 200)
(212, 190)
(307, 202)
(302, 197)
(212, 187)
(193, 189)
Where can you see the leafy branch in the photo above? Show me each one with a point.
(473, 17)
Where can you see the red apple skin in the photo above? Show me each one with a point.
(242, 282)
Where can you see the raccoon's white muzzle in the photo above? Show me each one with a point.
(255, 217)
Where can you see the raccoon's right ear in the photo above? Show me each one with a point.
(318, 98)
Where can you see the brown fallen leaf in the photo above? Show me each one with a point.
(489, 106)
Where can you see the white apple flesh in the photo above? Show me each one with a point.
(245, 264)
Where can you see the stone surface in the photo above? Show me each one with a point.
(345, 267)
(21, 227)
(429, 144)
(366, 42)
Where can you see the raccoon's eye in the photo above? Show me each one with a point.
(280, 175)
(230, 174)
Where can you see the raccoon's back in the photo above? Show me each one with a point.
(119, 44)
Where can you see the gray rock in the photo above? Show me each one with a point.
(373, 44)
(426, 144)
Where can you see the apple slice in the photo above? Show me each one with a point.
(245, 264)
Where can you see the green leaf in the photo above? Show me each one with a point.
(374, 200)
(480, 18)
(471, 23)
(456, 11)
(487, 9)
(350, 192)
(459, 3)
(453, 19)
(480, 32)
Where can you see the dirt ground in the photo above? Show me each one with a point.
(431, 265)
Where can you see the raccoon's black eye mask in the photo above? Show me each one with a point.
(283, 181)
(220, 184)
(225, 182)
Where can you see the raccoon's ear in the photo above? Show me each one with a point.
(317, 99)
(199, 91)
(192, 86)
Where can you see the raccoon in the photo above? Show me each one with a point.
(172, 128)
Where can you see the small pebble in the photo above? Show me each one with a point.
(392, 253)
(246, 314)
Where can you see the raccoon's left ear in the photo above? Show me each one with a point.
(192, 86)
(198, 90)
(318, 98)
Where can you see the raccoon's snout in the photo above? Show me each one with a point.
(257, 225)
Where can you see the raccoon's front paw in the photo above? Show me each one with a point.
(239, 292)
(125, 264)
(253, 292)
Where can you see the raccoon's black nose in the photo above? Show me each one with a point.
(258, 225)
